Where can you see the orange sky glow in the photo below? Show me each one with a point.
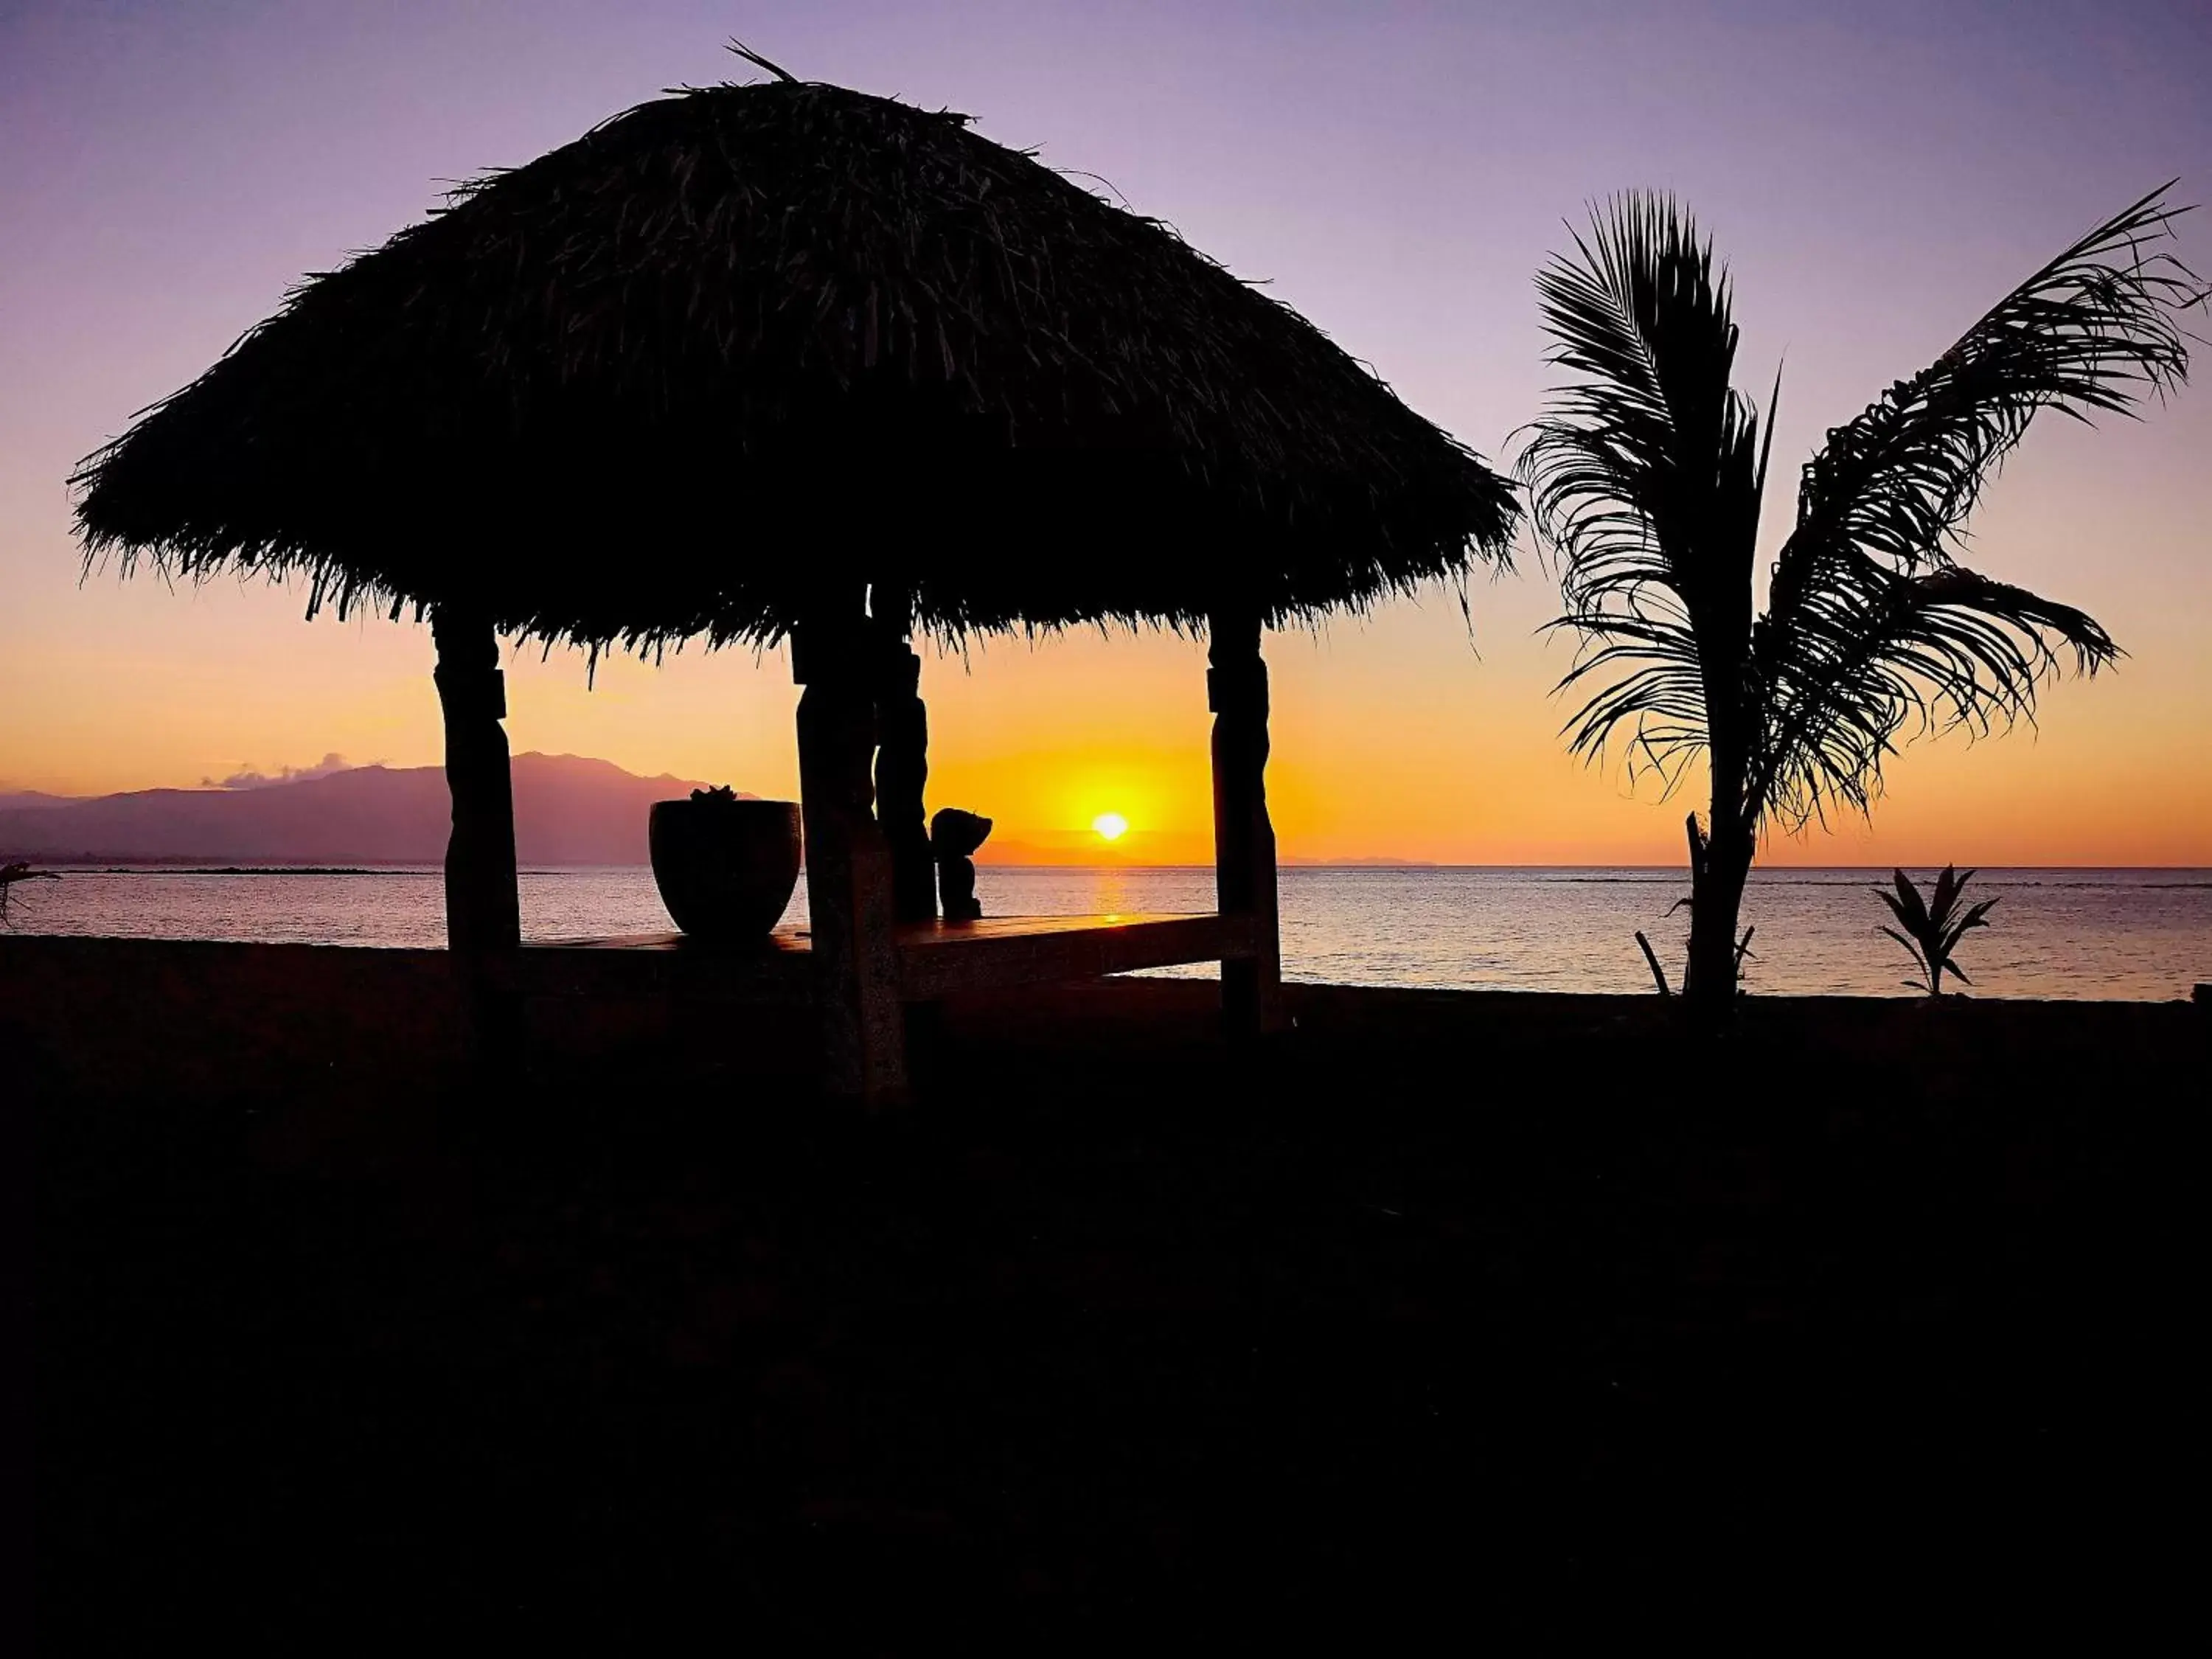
(1395, 737)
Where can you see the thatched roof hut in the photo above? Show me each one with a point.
(656, 382)
(787, 359)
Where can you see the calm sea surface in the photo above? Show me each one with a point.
(2123, 934)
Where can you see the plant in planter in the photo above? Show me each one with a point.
(1933, 926)
(726, 864)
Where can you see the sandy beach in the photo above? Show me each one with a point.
(1448, 1301)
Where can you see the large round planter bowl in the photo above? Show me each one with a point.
(725, 868)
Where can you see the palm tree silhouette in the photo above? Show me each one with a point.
(1645, 482)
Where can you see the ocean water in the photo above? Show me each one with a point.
(2091, 934)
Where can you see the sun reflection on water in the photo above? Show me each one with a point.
(1110, 892)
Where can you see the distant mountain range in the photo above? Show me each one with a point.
(567, 810)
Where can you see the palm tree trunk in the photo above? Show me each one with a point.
(1720, 864)
(1716, 905)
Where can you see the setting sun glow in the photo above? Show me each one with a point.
(1112, 826)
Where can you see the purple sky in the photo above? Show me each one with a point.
(1876, 173)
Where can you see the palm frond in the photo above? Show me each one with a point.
(2095, 330)
(1645, 476)
(1876, 652)
(1869, 623)
(1650, 680)
(1905, 903)
(1977, 916)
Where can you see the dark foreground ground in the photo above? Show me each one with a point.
(1495, 1320)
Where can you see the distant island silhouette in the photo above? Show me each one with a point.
(567, 810)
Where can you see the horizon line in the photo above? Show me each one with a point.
(216, 865)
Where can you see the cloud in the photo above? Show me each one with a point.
(247, 778)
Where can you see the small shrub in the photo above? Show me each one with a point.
(1933, 927)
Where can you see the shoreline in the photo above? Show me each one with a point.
(132, 1016)
(1481, 940)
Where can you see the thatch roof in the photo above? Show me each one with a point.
(663, 380)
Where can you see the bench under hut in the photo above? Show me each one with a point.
(787, 362)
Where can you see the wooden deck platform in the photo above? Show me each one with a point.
(935, 959)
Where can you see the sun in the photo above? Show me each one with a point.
(1110, 826)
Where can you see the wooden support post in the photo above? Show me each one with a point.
(901, 755)
(849, 867)
(484, 912)
(1243, 839)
